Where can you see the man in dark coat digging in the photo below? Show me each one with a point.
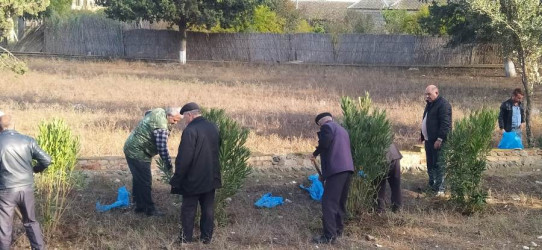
(337, 168)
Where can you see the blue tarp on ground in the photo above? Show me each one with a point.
(316, 189)
(123, 200)
(269, 201)
(510, 140)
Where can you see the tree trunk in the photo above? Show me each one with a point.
(509, 68)
(182, 52)
(12, 33)
(530, 76)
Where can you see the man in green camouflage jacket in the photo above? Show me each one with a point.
(148, 139)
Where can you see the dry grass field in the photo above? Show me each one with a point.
(103, 101)
(513, 218)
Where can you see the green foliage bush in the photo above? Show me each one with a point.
(465, 155)
(354, 22)
(55, 184)
(403, 22)
(370, 137)
(233, 159)
(266, 21)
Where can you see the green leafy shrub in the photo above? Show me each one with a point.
(233, 159)
(465, 155)
(10, 62)
(55, 184)
(370, 137)
(403, 22)
(166, 173)
(265, 20)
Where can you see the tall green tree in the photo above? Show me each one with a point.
(185, 14)
(285, 10)
(10, 9)
(58, 7)
(457, 20)
(518, 26)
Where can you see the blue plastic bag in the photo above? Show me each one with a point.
(510, 140)
(362, 174)
(269, 201)
(316, 190)
(123, 200)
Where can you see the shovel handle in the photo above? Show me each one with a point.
(316, 167)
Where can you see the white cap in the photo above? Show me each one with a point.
(1, 113)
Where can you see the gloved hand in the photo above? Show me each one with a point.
(38, 169)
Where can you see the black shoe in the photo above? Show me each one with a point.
(205, 241)
(138, 210)
(323, 240)
(395, 208)
(184, 240)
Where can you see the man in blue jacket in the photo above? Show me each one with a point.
(337, 168)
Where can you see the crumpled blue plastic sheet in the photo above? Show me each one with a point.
(316, 189)
(362, 174)
(510, 140)
(123, 200)
(269, 201)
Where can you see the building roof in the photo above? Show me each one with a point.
(323, 10)
(387, 4)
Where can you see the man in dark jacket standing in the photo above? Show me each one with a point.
(337, 168)
(512, 114)
(17, 183)
(436, 123)
(197, 173)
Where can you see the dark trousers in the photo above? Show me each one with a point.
(336, 189)
(435, 168)
(188, 215)
(141, 184)
(22, 198)
(394, 179)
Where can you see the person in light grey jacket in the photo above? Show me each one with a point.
(17, 182)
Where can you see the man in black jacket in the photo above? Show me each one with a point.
(197, 173)
(512, 114)
(17, 152)
(436, 123)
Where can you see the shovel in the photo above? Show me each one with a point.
(316, 167)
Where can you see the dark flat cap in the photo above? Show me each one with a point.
(189, 107)
(321, 115)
